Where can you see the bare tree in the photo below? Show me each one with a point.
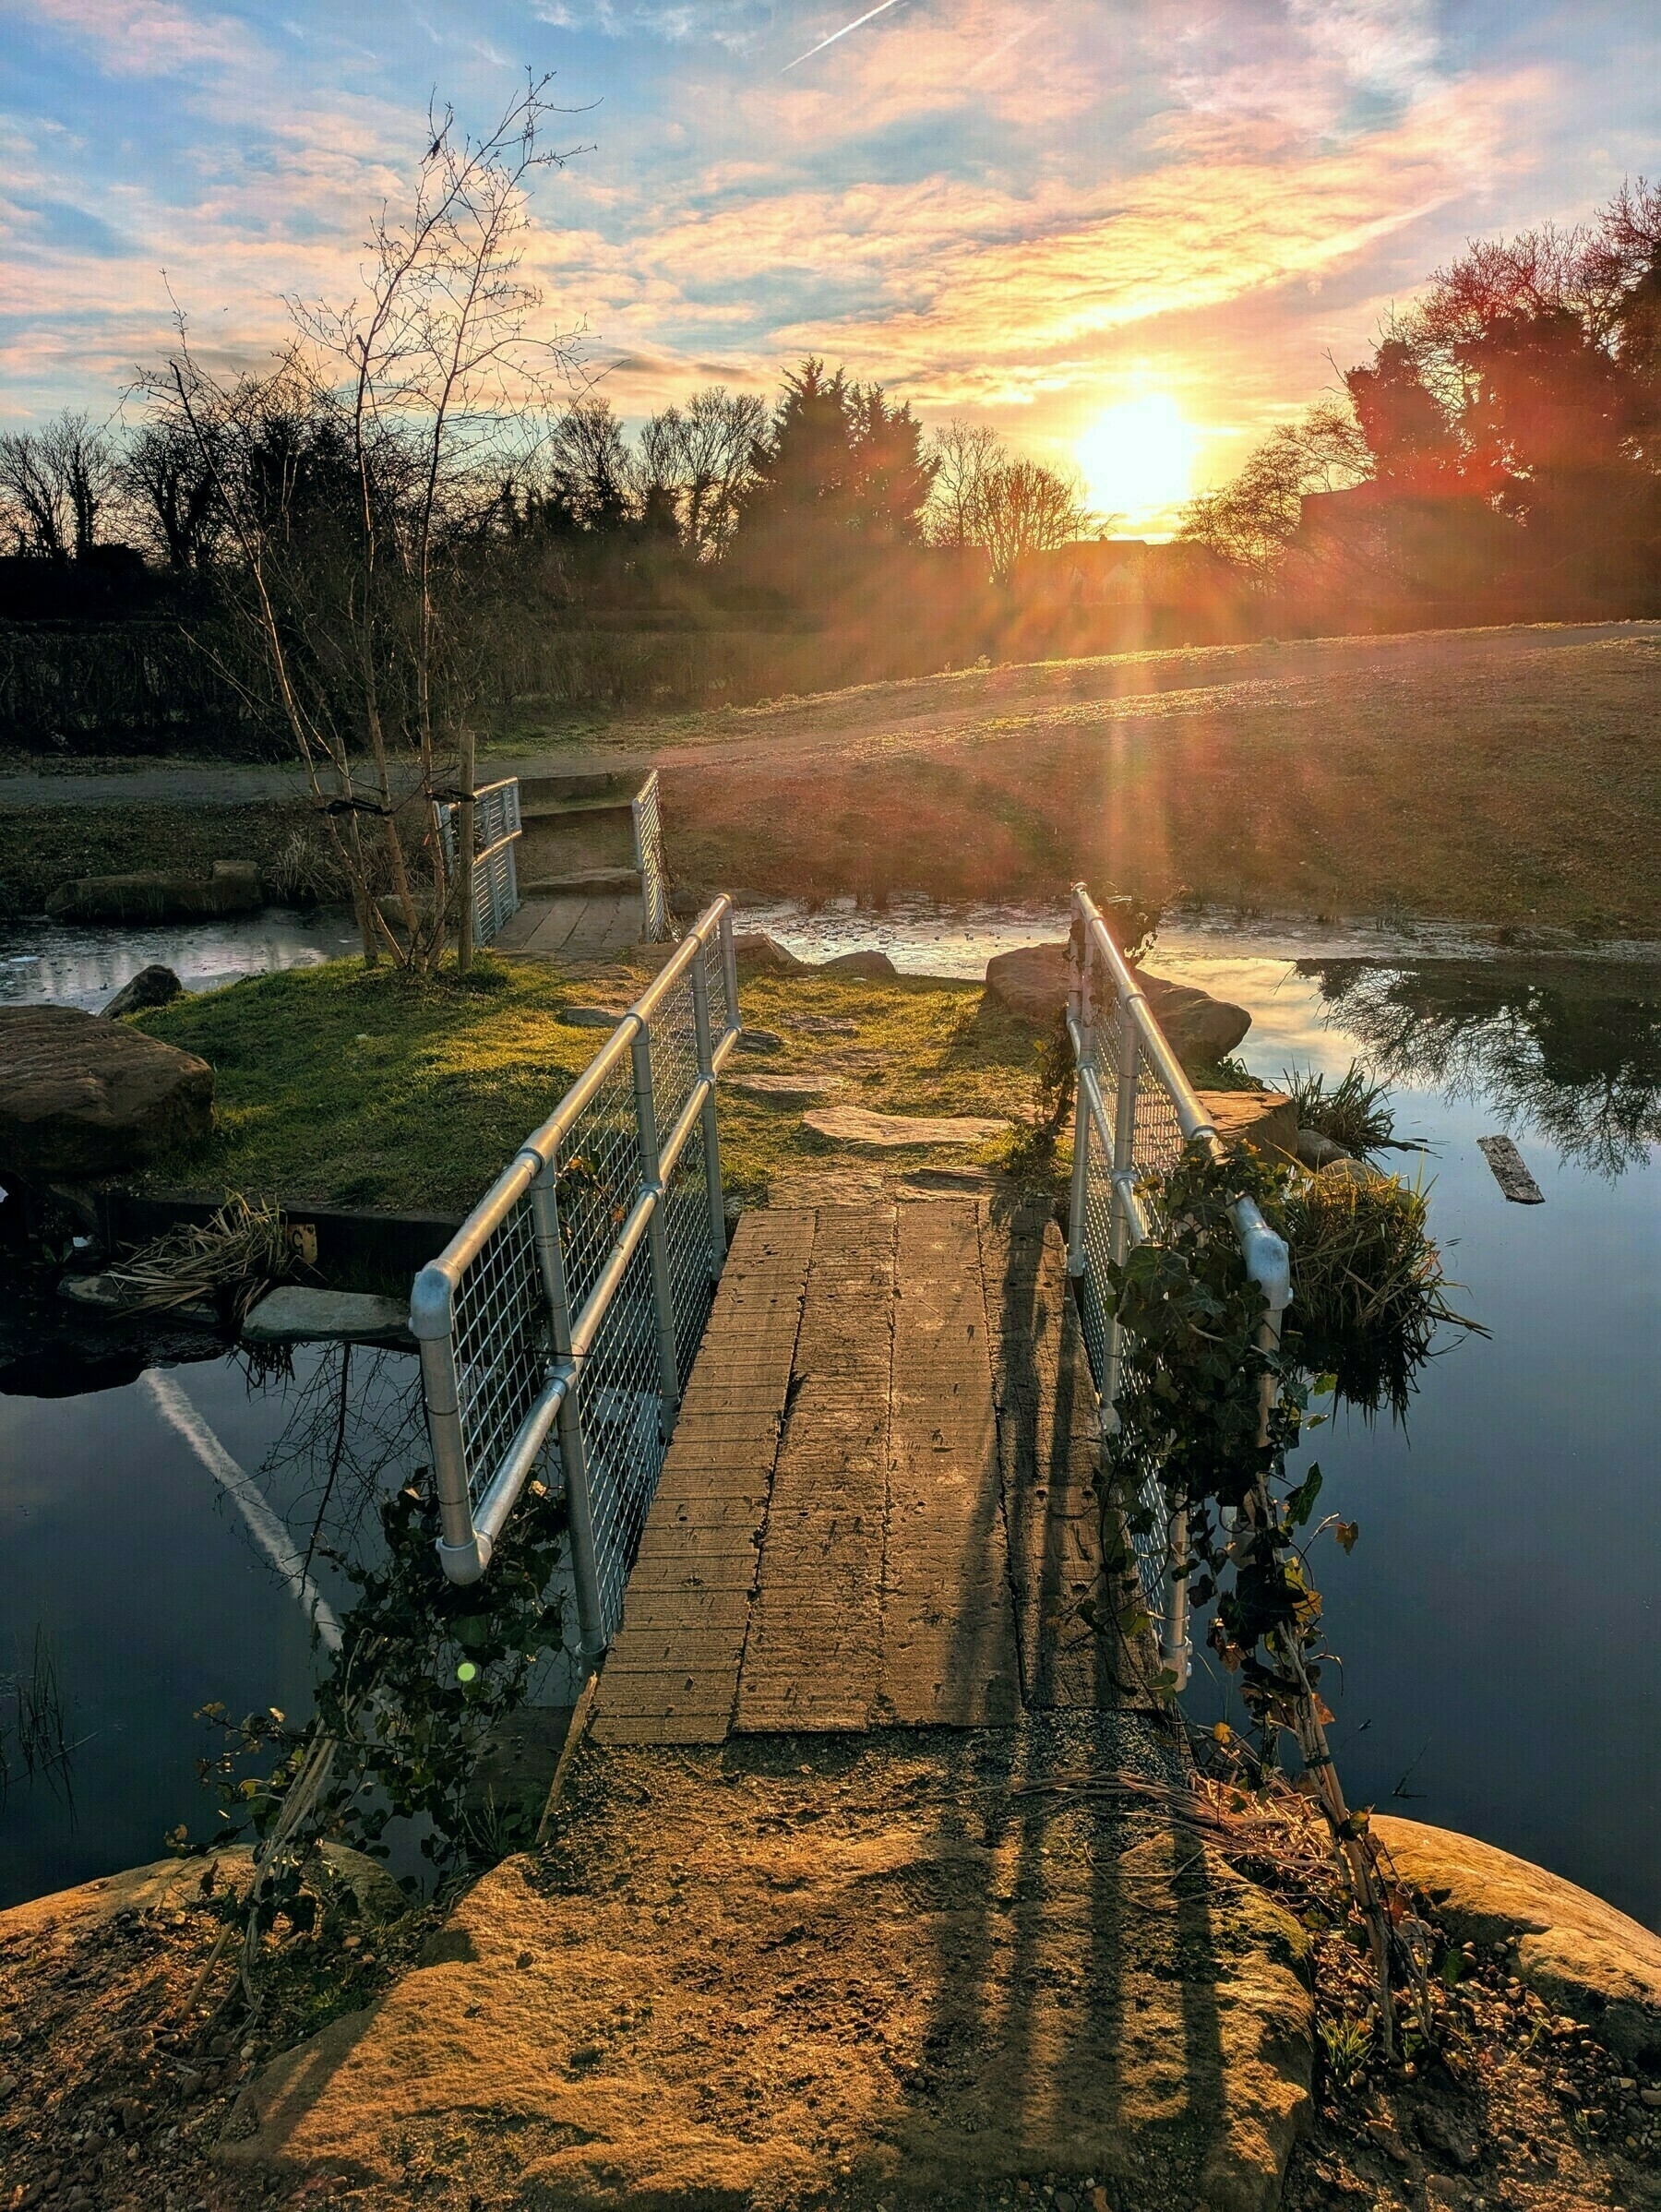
(356, 480)
(54, 483)
(170, 489)
(1023, 509)
(700, 453)
(1252, 521)
(966, 454)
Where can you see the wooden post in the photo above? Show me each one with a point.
(464, 855)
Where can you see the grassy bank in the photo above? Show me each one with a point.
(41, 847)
(1507, 777)
(360, 1088)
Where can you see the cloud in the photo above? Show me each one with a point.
(147, 37)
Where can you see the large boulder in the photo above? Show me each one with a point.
(82, 1096)
(1032, 984)
(871, 966)
(233, 887)
(154, 986)
(756, 953)
(1581, 1955)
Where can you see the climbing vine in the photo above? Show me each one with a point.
(426, 1670)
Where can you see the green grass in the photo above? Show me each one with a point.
(363, 1088)
(357, 1087)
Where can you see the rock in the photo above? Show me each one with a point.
(1032, 982)
(1267, 1120)
(876, 966)
(1581, 1956)
(1439, 2133)
(154, 986)
(1348, 1170)
(759, 955)
(824, 1025)
(759, 1040)
(232, 886)
(785, 1090)
(857, 1125)
(589, 1017)
(111, 1296)
(1317, 1152)
(82, 1096)
(294, 1314)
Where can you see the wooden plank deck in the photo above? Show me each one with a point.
(599, 926)
(878, 1509)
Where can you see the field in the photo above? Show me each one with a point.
(1507, 777)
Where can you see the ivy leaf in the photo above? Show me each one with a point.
(1300, 1502)
(1346, 1532)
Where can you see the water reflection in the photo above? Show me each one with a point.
(1574, 1052)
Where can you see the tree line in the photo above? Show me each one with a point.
(1503, 441)
(803, 491)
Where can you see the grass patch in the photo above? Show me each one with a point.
(919, 1046)
(1369, 1294)
(1354, 1113)
(355, 1087)
(359, 1087)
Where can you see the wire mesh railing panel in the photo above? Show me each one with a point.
(673, 1042)
(691, 1259)
(721, 1015)
(650, 861)
(602, 1334)
(622, 1415)
(599, 1171)
(501, 1338)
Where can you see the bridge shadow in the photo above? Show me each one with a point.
(1071, 2026)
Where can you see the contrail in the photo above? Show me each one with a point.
(263, 1525)
(881, 8)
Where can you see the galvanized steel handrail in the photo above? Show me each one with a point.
(1119, 1154)
(494, 1313)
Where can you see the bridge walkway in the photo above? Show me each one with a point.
(879, 1508)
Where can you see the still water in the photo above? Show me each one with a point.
(1497, 1620)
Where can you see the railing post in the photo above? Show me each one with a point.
(711, 1134)
(432, 1321)
(1082, 1008)
(573, 1457)
(1124, 1165)
(657, 1242)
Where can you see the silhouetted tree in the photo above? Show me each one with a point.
(54, 483)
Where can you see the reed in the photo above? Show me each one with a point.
(228, 1261)
(1354, 1113)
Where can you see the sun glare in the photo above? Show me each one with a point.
(1138, 459)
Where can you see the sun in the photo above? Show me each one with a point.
(1138, 459)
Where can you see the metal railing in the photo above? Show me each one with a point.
(572, 1301)
(1136, 1109)
(495, 828)
(651, 863)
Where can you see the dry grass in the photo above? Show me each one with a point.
(1509, 777)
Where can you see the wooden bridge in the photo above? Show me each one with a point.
(879, 1509)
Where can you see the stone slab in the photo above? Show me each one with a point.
(295, 1314)
(887, 1132)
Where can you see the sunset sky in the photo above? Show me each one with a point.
(1038, 215)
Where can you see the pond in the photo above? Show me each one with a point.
(1497, 1620)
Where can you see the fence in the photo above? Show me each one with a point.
(495, 829)
(572, 1300)
(648, 860)
(1136, 1110)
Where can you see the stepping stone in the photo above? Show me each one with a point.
(824, 1025)
(759, 1040)
(859, 1125)
(589, 1017)
(294, 1315)
(1509, 1173)
(786, 1090)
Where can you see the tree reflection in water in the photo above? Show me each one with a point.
(1572, 1048)
(354, 1429)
